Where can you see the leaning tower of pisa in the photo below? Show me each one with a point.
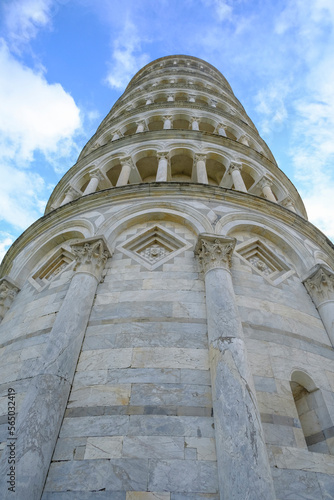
(168, 325)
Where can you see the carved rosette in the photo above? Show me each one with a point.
(8, 292)
(91, 256)
(320, 285)
(214, 251)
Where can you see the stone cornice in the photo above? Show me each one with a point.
(172, 190)
(320, 284)
(214, 251)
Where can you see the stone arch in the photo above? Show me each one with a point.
(181, 163)
(216, 165)
(271, 230)
(315, 420)
(112, 168)
(147, 164)
(179, 212)
(155, 122)
(39, 250)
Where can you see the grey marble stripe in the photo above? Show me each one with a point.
(96, 411)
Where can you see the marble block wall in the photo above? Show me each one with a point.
(139, 416)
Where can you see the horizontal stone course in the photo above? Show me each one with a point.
(186, 475)
(93, 411)
(170, 394)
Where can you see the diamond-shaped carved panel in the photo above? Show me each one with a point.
(264, 261)
(154, 246)
(54, 266)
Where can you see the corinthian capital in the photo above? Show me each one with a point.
(320, 284)
(91, 256)
(214, 251)
(8, 291)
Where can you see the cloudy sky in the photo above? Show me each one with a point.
(63, 63)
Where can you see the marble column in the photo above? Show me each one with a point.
(201, 173)
(95, 178)
(243, 466)
(194, 123)
(140, 126)
(117, 135)
(70, 194)
(320, 286)
(149, 100)
(213, 103)
(244, 140)
(8, 292)
(288, 203)
(265, 185)
(191, 98)
(125, 172)
(167, 122)
(170, 98)
(238, 181)
(162, 173)
(221, 129)
(43, 408)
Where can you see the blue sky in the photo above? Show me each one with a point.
(63, 63)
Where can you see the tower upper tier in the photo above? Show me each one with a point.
(177, 121)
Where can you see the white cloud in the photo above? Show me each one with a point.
(271, 104)
(21, 195)
(127, 57)
(34, 115)
(23, 19)
(6, 240)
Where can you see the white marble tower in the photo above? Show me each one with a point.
(168, 325)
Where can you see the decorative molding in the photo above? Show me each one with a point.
(264, 261)
(8, 292)
(214, 251)
(90, 256)
(154, 246)
(320, 284)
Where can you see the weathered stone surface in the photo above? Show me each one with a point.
(146, 495)
(293, 484)
(83, 495)
(162, 357)
(100, 395)
(163, 447)
(170, 394)
(104, 447)
(113, 475)
(187, 475)
(95, 426)
(148, 425)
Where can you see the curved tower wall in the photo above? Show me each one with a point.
(168, 324)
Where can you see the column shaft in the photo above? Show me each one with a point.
(237, 179)
(162, 169)
(92, 185)
(44, 405)
(201, 172)
(243, 466)
(124, 175)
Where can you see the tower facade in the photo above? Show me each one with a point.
(168, 326)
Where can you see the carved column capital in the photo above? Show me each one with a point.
(97, 174)
(8, 292)
(91, 256)
(168, 117)
(214, 251)
(320, 284)
(234, 166)
(265, 182)
(194, 119)
(163, 154)
(126, 160)
(199, 157)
